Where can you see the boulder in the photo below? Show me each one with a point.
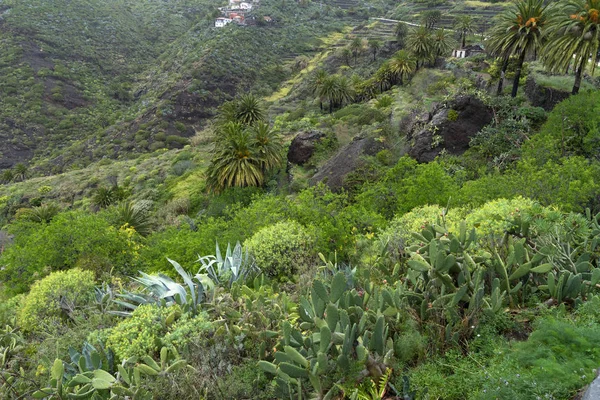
(303, 146)
(347, 160)
(448, 127)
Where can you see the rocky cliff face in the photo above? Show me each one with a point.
(303, 146)
(544, 97)
(446, 128)
(347, 160)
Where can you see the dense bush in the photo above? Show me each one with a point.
(571, 130)
(70, 239)
(139, 334)
(55, 299)
(281, 250)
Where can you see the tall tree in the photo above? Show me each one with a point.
(464, 25)
(245, 110)
(574, 37)
(356, 46)
(442, 43)
(401, 65)
(318, 80)
(242, 156)
(375, 46)
(236, 162)
(431, 18)
(268, 146)
(336, 90)
(249, 110)
(401, 31)
(519, 31)
(419, 41)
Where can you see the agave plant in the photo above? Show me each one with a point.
(162, 290)
(236, 266)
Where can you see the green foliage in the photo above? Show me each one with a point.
(571, 130)
(234, 268)
(70, 239)
(557, 359)
(336, 336)
(140, 334)
(281, 250)
(186, 329)
(9, 309)
(243, 155)
(56, 298)
(136, 216)
(43, 213)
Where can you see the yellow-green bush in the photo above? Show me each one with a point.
(41, 308)
(139, 334)
(497, 216)
(282, 249)
(10, 308)
(186, 329)
(149, 328)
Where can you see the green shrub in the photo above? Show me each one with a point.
(43, 306)
(141, 333)
(186, 329)
(498, 216)
(452, 115)
(571, 130)
(9, 309)
(282, 249)
(70, 239)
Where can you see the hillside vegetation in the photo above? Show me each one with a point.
(322, 204)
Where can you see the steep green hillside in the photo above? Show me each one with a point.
(93, 79)
(69, 66)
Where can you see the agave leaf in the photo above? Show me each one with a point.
(186, 278)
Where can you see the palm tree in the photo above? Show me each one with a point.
(236, 161)
(442, 42)
(268, 146)
(337, 90)
(356, 47)
(249, 110)
(401, 65)
(384, 77)
(21, 172)
(574, 37)
(375, 45)
(430, 18)
(344, 90)
(245, 110)
(519, 31)
(464, 25)
(401, 32)
(346, 53)
(420, 43)
(316, 84)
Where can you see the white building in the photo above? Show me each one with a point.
(222, 21)
(245, 6)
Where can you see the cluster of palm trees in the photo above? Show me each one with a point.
(422, 45)
(246, 148)
(566, 34)
(335, 90)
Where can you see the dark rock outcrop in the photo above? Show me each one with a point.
(347, 160)
(544, 97)
(448, 128)
(303, 146)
